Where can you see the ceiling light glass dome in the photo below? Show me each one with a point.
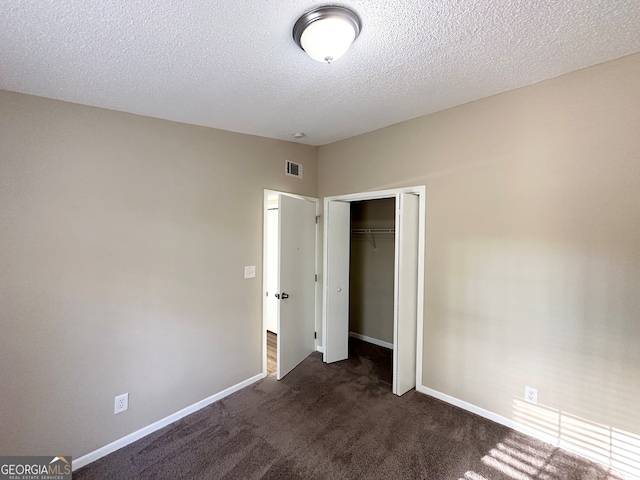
(326, 33)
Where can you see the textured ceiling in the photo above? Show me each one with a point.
(233, 65)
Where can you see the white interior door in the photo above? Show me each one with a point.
(406, 293)
(296, 282)
(338, 235)
(272, 270)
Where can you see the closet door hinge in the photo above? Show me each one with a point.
(317, 219)
(316, 277)
(315, 335)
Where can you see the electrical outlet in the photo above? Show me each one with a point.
(122, 403)
(531, 395)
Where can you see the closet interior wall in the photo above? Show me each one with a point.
(371, 270)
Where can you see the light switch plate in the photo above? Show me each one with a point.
(250, 272)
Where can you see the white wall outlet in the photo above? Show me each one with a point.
(250, 272)
(122, 403)
(531, 395)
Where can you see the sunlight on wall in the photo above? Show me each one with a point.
(550, 311)
(610, 446)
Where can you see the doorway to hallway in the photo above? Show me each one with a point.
(289, 280)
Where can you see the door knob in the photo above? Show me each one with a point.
(284, 295)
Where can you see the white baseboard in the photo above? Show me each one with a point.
(507, 422)
(487, 414)
(143, 432)
(375, 341)
(320, 348)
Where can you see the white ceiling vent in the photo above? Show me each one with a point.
(293, 169)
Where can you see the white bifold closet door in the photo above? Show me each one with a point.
(338, 246)
(406, 293)
(296, 282)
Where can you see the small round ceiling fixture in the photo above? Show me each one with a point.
(326, 33)
(299, 135)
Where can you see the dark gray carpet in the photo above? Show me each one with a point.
(338, 421)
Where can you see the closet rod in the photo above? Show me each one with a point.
(373, 230)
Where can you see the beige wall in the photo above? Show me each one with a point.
(371, 270)
(532, 258)
(122, 246)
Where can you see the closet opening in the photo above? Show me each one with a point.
(371, 287)
(365, 314)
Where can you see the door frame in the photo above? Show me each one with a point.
(420, 191)
(318, 292)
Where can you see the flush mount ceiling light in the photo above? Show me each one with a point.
(326, 33)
